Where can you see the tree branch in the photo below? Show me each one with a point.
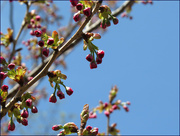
(94, 26)
(44, 71)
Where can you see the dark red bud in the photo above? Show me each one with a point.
(87, 12)
(41, 43)
(69, 91)
(11, 66)
(29, 102)
(38, 18)
(34, 109)
(24, 121)
(52, 98)
(24, 114)
(45, 52)
(50, 41)
(100, 54)
(89, 58)
(38, 33)
(76, 17)
(79, 6)
(93, 65)
(11, 126)
(4, 88)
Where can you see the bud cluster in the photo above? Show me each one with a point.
(20, 111)
(70, 127)
(56, 76)
(33, 22)
(3, 69)
(105, 16)
(6, 39)
(3, 93)
(82, 7)
(96, 55)
(110, 107)
(9, 70)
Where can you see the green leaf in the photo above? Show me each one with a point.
(11, 74)
(55, 36)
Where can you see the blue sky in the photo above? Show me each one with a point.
(141, 58)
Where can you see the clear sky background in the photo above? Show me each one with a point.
(141, 58)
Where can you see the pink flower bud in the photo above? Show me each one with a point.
(24, 114)
(95, 131)
(56, 127)
(128, 103)
(38, 33)
(103, 25)
(87, 12)
(29, 26)
(150, 1)
(45, 52)
(50, 41)
(4, 88)
(114, 107)
(41, 43)
(123, 14)
(106, 113)
(98, 60)
(11, 126)
(43, 29)
(111, 110)
(38, 18)
(24, 121)
(38, 26)
(108, 23)
(2, 75)
(126, 108)
(115, 20)
(11, 66)
(79, 6)
(89, 58)
(93, 65)
(88, 128)
(60, 94)
(69, 91)
(74, 2)
(52, 98)
(100, 54)
(105, 105)
(92, 115)
(29, 102)
(76, 17)
(32, 33)
(30, 78)
(34, 26)
(34, 109)
(32, 21)
(2, 60)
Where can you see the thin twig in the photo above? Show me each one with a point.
(19, 33)
(108, 118)
(11, 17)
